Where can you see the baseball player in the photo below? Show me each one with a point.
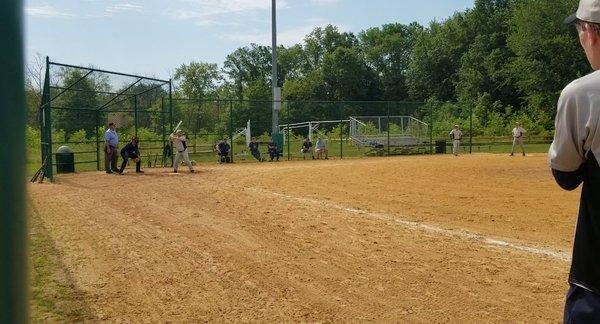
(517, 133)
(254, 150)
(223, 149)
(273, 151)
(131, 151)
(180, 145)
(573, 159)
(320, 148)
(307, 148)
(455, 136)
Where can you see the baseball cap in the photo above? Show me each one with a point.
(589, 10)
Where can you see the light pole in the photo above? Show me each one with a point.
(274, 85)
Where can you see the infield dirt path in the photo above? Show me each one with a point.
(387, 239)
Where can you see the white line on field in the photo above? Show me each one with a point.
(558, 255)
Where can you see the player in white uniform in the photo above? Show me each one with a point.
(180, 145)
(456, 135)
(517, 133)
(573, 158)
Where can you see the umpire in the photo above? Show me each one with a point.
(572, 158)
(111, 143)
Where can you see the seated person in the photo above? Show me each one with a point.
(131, 151)
(307, 148)
(253, 146)
(320, 149)
(273, 151)
(223, 149)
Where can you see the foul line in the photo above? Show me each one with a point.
(488, 241)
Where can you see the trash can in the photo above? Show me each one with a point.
(440, 147)
(278, 139)
(65, 160)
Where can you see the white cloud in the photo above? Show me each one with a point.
(46, 11)
(286, 37)
(195, 9)
(122, 7)
(325, 2)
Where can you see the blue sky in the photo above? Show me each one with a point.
(153, 37)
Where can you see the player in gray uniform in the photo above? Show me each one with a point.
(180, 145)
(517, 133)
(572, 158)
(456, 136)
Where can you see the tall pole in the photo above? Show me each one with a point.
(274, 85)
(13, 271)
(471, 129)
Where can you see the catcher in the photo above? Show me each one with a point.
(131, 151)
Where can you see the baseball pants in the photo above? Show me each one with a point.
(455, 147)
(125, 156)
(186, 159)
(110, 160)
(517, 141)
(256, 154)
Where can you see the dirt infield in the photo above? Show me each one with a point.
(419, 239)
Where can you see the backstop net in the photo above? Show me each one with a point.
(78, 103)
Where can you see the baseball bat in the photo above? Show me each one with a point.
(176, 127)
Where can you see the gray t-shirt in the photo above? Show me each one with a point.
(577, 122)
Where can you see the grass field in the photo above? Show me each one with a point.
(241, 154)
(475, 238)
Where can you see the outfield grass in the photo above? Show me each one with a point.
(241, 153)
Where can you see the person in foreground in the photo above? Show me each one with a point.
(131, 151)
(573, 159)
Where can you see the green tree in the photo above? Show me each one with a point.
(78, 106)
(387, 51)
(197, 80)
(436, 56)
(548, 54)
(248, 65)
(324, 40)
(347, 76)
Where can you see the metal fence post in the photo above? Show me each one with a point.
(171, 115)
(388, 128)
(431, 129)
(231, 128)
(13, 272)
(48, 114)
(135, 115)
(163, 130)
(471, 129)
(288, 122)
(341, 132)
(97, 140)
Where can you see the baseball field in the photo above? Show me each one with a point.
(475, 238)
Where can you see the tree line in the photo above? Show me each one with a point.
(501, 60)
